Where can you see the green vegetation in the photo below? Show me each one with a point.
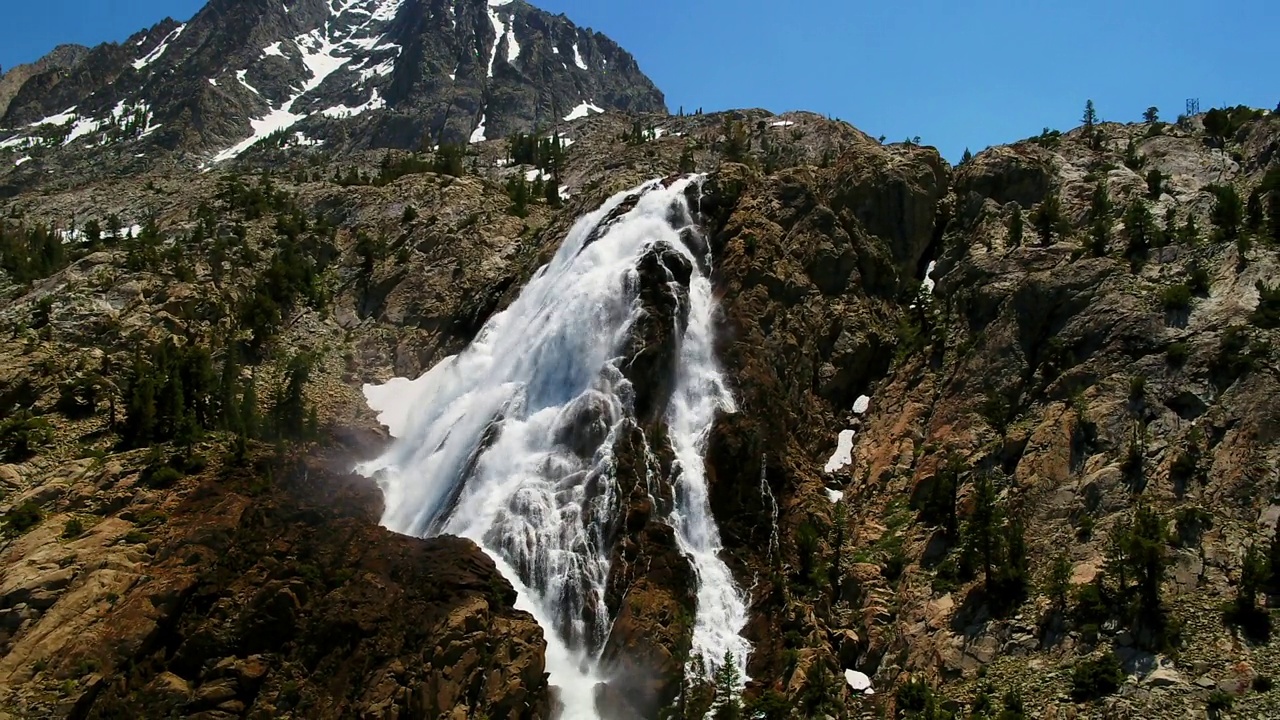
(1096, 678)
(23, 435)
(448, 160)
(1243, 612)
(31, 253)
(1048, 220)
(73, 528)
(22, 518)
(1267, 314)
(1090, 121)
(1227, 214)
(994, 544)
(1222, 124)
(1176, 298)
(1099, 221)
(1015, 226)
(1155, 183)
(1140, 229)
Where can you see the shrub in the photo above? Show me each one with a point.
(22, 518)
(22, 436)
(73, 529)
(1220, 701)
(1267, 314)
(1137, 388)
(160, 478)
(1176, 354)
(1096, 678)
(1176, 298)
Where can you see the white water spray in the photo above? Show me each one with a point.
(510, 442)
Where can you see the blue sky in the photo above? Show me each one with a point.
(958, 77)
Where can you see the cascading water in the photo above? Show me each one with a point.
(511, 442)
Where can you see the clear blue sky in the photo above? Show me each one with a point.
(956, 76)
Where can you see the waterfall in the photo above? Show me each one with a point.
(511, 442)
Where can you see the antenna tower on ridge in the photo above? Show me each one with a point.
(1193, 106)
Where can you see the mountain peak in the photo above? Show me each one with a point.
(348, 73)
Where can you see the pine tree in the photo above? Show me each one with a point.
(1227, 213)
(1253, 211)
(140, 413)
(1155, 183)
(1189, 234)
(228, 392)
(727, 706)
(1100, 221)
(1015, 227)
(967, 157)
(687, 162)
(249, 408)
(1170, 232)
(1151, 116)
(1139, 227)
(1090, 125)
(289, 412)
(1059, 586)
(1047, 218)
(1273, 216)
(982, 529)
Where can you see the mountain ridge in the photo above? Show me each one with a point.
(367, 73)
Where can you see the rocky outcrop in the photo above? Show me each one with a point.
(253, 603)
(12, 80)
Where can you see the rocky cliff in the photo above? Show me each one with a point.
(1004, 430)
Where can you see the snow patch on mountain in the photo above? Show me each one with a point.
(342, 111)
(577, 57)
(498, 31)
(155, 54)
(513, 47)
(582, 111)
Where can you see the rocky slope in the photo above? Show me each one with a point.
(1011, 370)
(338, 73)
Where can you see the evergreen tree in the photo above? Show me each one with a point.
(687, 162)
(1139, 228)
(228, 393)
(518, 191)
(967, 157)
(448, 160)
(1059, 586)
(552, 194)
(249, 407)
(1047, 218)
(1155, 183)
(727, 706)
(1100, 221)
(1151, 116)
(1227, 213)
(1253, 211)
(1255, 577)
(1273, 216)
(1090, 125)
(983, 527)
(1170, 232)
(289, 412)
(1189, 234)
(140, 413)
